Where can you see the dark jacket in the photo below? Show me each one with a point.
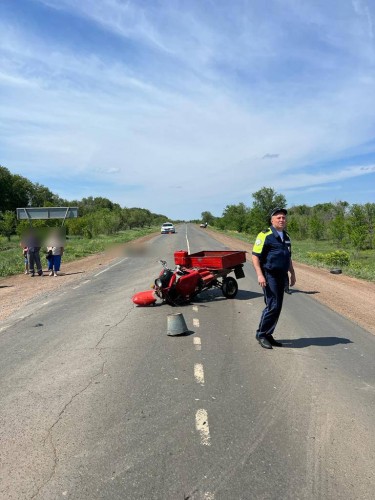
(274, 254)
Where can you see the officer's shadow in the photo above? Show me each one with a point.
(307, 292)
(318, 341)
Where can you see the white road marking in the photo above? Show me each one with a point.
(187, 241)
(110, 267)
(208, 496)
(196, 322)
(199, 373)
(83, 283)
(201, 424)
(195, 308)
(197, 343)
(45, 303)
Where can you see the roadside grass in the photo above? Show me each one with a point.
(12, 262)
(362, 263)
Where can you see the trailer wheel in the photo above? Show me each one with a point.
(229, 287)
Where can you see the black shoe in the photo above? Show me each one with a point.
(274, 342)
(264, 342)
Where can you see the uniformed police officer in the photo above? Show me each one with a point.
(272, 260)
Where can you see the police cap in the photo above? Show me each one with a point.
(278, 210)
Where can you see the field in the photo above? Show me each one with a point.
(362, 264)
(11, 259)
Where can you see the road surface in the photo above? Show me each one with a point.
(97, 402)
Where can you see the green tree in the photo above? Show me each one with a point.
(208, 217)
(234, 217)
(336, 228)
(357, 227)
(264, 201)
(316, 227)
(5, 189)
(369, 215)
(8, 224)
(40, 195)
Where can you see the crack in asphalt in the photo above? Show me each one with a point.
(50, 430)
(49, 436)
(111, 327)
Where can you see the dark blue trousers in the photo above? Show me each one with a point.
(273, 297)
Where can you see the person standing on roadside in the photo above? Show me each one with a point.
(31, 240)
(25, 258)
(272, 260)
(55, 248)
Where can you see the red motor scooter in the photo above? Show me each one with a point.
(193, 274)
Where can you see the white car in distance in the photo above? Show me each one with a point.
(167, 228)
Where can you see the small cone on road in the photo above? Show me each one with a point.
(176, 324)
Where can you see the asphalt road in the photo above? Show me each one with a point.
(97, 402)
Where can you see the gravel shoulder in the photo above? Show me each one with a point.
(350, 297)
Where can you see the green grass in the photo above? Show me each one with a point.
(362, 264)
(11, 258)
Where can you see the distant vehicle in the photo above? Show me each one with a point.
(167, 228)
(204, 224)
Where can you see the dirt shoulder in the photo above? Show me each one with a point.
(350, 297)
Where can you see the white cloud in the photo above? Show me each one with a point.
(210, 103)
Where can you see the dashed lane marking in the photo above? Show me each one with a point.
(201, 424)
(199, 373)
(197, 343)
(196, 322)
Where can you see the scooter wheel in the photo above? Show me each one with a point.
(229, 287)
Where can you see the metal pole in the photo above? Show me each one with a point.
(28, 216)
(66, 214)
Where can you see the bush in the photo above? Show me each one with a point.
(336, 258)
(317, 256)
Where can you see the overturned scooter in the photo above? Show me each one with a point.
(192, 275)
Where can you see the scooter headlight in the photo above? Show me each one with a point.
(158, 283)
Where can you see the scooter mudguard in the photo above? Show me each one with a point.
(146, 298)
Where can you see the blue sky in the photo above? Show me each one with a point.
(186, 106)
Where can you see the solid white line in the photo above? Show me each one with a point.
(197, 343)
(187, 241)
(83, 283)
(199, 373)
(201, 424)
(196, 322)
(110, 267)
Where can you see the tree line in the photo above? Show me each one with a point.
(97, 215)
(341, 222)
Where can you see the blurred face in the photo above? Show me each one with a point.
(279, 221)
